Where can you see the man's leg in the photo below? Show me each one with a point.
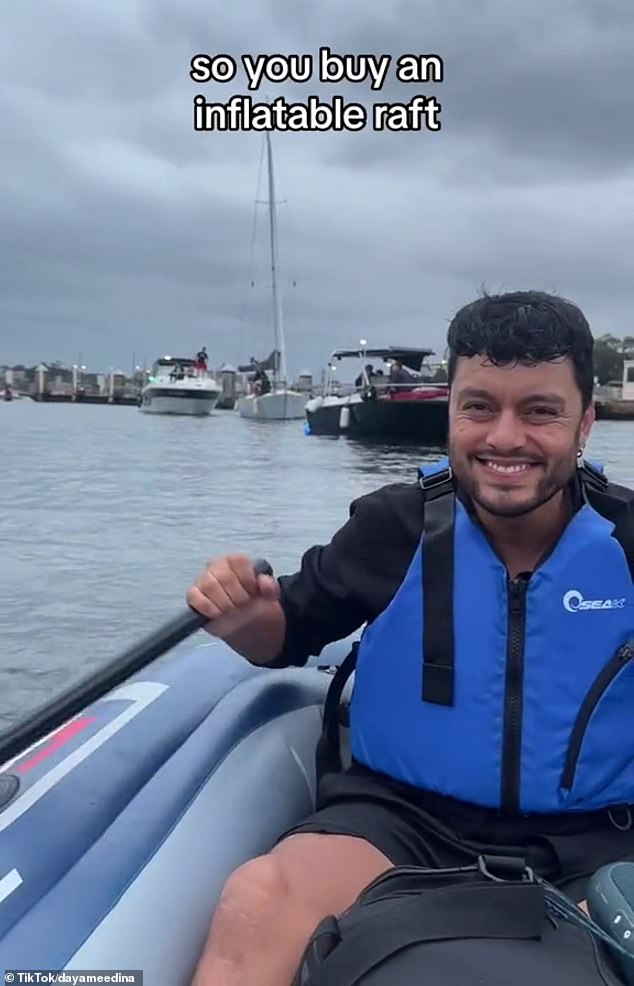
(271, 905)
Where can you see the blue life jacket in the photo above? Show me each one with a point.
(513, 694)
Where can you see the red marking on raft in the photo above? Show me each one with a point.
(62, 736)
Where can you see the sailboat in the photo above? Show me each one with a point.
(281, 403)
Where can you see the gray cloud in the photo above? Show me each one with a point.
(125, 231)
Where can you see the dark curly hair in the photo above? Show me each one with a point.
(526, 327)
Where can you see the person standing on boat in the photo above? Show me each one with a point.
(365, 377)
(493, 697)
(259, 381)
(201, 361)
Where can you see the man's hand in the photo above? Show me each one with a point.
(232, 595)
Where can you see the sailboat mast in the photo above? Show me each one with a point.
(278, 326)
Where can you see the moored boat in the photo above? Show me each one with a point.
(278, 402)
(177, 386)
(415, 411)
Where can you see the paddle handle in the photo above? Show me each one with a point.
(87, 690)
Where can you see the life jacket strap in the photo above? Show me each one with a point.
(592, 477)
(438, 685)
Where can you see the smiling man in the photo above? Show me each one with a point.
(520, 418)
(492, 706)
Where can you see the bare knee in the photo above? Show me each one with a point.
(259, 929)
(270, 906)
(256, 887)
(309, 874)
(262, 877)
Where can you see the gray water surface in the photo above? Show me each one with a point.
(107, 515)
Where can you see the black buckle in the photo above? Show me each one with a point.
(434, 482)
(507, 868)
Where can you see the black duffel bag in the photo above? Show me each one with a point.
(494, 923)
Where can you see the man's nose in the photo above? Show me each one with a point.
(506, 432)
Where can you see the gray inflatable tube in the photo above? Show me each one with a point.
(128, 820)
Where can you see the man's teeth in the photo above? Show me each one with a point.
(498, 467)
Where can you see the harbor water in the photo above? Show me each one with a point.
(107, 515)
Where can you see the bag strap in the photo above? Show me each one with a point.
(328, 752)
(500, 910)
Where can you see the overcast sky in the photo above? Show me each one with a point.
(123, 231)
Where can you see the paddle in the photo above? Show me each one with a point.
(50, 716)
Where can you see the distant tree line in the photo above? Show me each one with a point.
(609, 356)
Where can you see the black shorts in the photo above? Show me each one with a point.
(416, 828)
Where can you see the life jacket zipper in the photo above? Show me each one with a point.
(512, 743)
(599, 686)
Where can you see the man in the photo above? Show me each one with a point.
(365, 377)
(494, 687)
(398, 374)
(201, 361)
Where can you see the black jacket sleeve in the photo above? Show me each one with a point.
(348, 582)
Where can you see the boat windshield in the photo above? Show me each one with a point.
(175, 368)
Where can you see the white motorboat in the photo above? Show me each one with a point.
(178, 386)
(280, 403)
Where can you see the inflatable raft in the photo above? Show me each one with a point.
(118, 830)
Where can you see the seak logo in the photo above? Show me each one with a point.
(574, 602)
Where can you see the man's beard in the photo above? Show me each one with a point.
(555, 478)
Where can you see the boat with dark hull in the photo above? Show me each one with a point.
(416, 411)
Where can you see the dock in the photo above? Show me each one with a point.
(618, 410)
(57, 384)
(49, 397)
(616, 402)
